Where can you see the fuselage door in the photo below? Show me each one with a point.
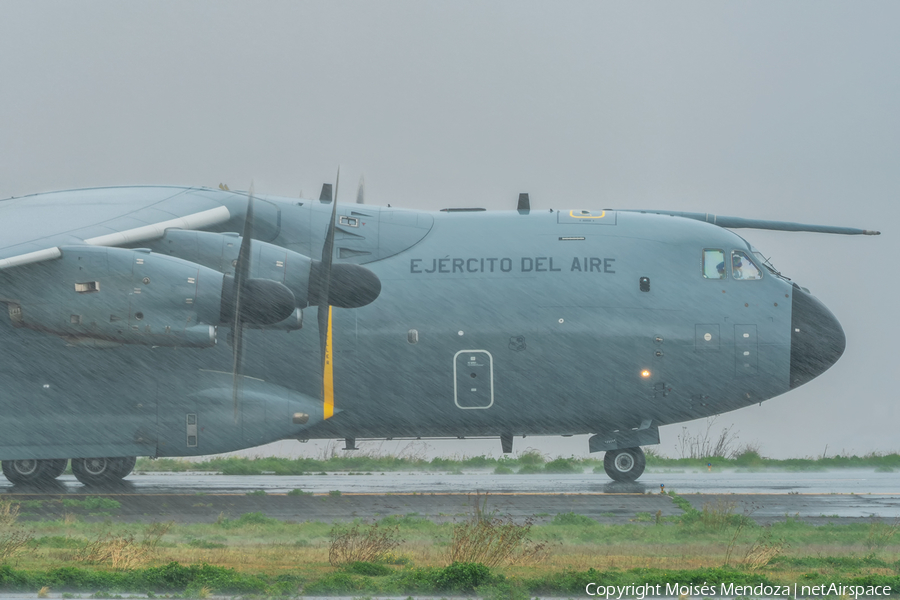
(473, 379)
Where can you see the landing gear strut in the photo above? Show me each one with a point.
(626, 464)
(33, 471)
(92, 471)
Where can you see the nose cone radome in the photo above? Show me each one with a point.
(817, 339)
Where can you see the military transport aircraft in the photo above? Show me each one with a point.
(142, 321)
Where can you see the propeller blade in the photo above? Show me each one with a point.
(325, 281)
(324, 312)
(361, 191)
(241, 276)
(237, 341)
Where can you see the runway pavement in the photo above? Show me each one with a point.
(199, 497)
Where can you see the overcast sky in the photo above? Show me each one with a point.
(773, 110)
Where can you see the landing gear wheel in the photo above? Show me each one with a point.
(93, 471)
(33, 471)
(626, 464)
(122, 467)
(57, 467)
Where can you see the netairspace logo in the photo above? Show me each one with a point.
(618, 592)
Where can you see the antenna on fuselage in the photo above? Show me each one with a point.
(361, 191)
(524, 203)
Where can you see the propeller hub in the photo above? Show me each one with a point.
(351, 286)
(263, 302)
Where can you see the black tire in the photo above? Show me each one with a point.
(57, 467)
(626, 464)
(124, 466)
(93, 471)
(32, 471)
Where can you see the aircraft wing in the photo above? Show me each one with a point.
(32, 229)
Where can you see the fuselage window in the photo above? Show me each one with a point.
(713, 263)
(743, 268)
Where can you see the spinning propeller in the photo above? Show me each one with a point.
(249, 301)
(241, 275)
(323, 320)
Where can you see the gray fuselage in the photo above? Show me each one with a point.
(488, 323)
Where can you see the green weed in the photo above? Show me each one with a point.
(463, 577)
(367, 568)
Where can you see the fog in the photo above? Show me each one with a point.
(771, 110)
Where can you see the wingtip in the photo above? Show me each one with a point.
(869, 232)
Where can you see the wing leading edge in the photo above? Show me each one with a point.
(206, 218)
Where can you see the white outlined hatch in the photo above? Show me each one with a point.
(473, 379)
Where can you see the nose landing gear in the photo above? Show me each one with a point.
(626, 464)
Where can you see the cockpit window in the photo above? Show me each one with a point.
(713, 263)
(743, 268)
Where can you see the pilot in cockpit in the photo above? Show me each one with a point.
(737, 266)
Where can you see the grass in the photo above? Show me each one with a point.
(257, 546)
(254, 554)
(359, 544)
(529, 462)
(199, 581)
(93, 504)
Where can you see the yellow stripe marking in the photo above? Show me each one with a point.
(328, 375)
(581, 216)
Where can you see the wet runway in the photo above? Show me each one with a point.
(767, 496)
(683, 482)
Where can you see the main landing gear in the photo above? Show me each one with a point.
(89, 471)
(626, 464)
(33, 471)
(93, 471)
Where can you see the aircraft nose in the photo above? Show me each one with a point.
(817, 339)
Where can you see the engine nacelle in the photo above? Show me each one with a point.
(98, 296)
(351, 286)
(219, 251)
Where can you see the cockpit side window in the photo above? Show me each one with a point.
(742, 268)
(713, 263)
